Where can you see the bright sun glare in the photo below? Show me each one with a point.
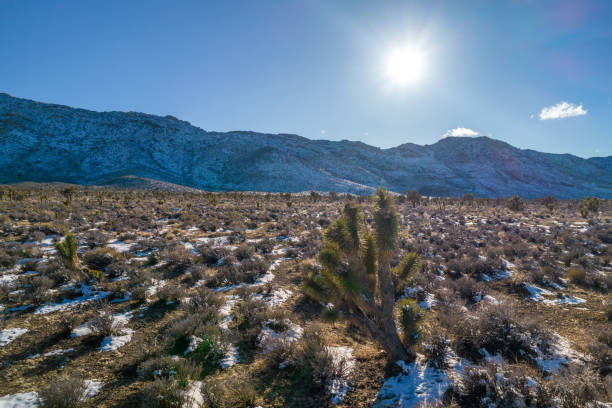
(405, 65)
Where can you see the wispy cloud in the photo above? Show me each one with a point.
(460, 131)
(562, 110)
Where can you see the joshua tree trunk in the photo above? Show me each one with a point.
(391, 341)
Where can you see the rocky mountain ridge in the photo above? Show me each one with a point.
(53, 143)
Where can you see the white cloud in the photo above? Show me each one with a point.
(460, 131)
(562, 110)
(323, 131)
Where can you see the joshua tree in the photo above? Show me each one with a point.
(67, 250)
(356, 274)
(413, 196)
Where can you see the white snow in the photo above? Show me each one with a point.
(269, 339)
(565, 300)
(262, 280)
(68, 304)
(111, 343)
(8, 335)
(194, 342)
(559, 355)
(120, 246)
(59, 352)
(83, 330)
(8, 280)
(214, 242)
(491, 299)
(231, 357)
(535, 293)
(21, 400)
(342, 357)
(92, 388)
(156, 285)
(419, 383)
(193, 395)
(429, 302)
(274, 299)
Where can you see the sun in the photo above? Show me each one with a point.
(405, 65)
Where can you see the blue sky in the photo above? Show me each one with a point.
(319, 68)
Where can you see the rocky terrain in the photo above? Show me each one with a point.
(52, 143)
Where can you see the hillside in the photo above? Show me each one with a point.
(52, 143)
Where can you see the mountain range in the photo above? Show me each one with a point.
(43, 142)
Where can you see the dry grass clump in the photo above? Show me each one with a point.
(66, 391)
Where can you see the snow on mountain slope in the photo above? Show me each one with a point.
(44, 142)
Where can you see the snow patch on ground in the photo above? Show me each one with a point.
(429, 302)
(536, 293)
(193, 395)
(231, 358)
(8, 335)
(262, 280)
(92, 388)
(269, 339)
(342, 357)
(274, 299)
(21, 400)
(156, 285)
(68, 304)
(418, 383)
(111, 343)
(120, 246)
(194, 342)
(559, 355)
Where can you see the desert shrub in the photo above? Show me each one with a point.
(208, 355)
(177, 256)
(162, 393)
(96, 275)
(53, 270)
(490, 387)
(244, 251)
(330, 314)
(4, 292)
(63, 392)
(233, 391)
(171, 293)
(100, 258)
(204, 302)
(105, 324)
(515, 203)
(574, 388)
(468, 289)
(139, 293)
(601, 351)
(67, 322)
(211, 256)
(95, 238)
(576, 275)
(496, 330)
(38, 290)
(265, 246)
(437, 350)
(248, 317)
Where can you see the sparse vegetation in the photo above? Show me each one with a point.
(154, 294)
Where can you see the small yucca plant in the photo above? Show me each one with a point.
(67, 251)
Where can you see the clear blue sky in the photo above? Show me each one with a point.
(319, 68)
